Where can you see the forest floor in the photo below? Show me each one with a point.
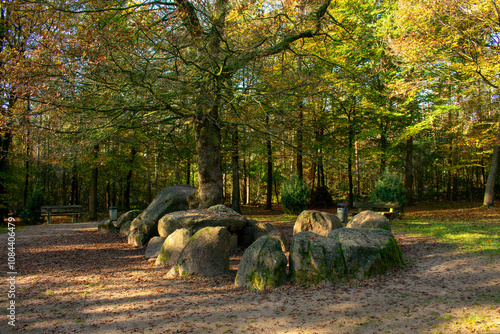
(72, 279)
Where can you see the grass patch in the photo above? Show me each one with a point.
(465, 236)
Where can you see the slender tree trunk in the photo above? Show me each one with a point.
(300, 143)
(188, 172)
(75, 198)
(350, 146)
(5, 141)
(27, 167)
(383, 155)
(149, 193)
(235, 157)
(245, 180)
(489, 192)
(409, 171)
(93, 189)
(128, 184)
(358, 176)
(269, 197)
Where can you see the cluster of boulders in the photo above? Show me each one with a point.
(198, 242)
(322, 252)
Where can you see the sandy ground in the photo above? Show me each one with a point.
(74, 280)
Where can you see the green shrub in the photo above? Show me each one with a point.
(294, 196)
(31, 214)
(389, 188)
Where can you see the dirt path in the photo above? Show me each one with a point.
(75, 280)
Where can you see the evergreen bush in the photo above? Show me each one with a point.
(32, 214)
(389, 188)
(294, 196)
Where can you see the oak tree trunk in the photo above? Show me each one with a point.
(209, 162)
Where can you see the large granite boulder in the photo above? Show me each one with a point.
(154, 247)
(141, 230)
(125, 228)
(367, 252)
(254, 230)
(196, 219)
(317, 222)
(126, 218)
(206, 254)
(172, 247)
(106, 226)
(168, 200)
(369, 219)
(315, 259)
(263, 265)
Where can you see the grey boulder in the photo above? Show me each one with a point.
(206, 254)
(317, 222)
(315, 259)
(197, 219)
(172, 247)
(367, 252)
(168, 200)
(263, 265)
(154, 246)
(369, 219)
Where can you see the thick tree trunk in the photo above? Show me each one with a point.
(409, 171)
(93, 189)
(235, 157)
(209, 162)
(489, 193)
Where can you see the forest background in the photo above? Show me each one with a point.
(105, 103)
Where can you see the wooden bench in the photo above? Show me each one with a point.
(392, 206)
(62, 210)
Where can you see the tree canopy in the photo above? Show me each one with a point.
(154, 93)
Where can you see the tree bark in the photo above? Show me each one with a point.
(210, 189)
(5, 141)
(93, 189)
(350, 146)
(128, 184)
(489, 192)
(235, 157)
(269, 197)
(409, 171)
(75, 197)
(300, 144)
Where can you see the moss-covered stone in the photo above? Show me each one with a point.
(141, 231)
(172, 247)
(126, 218)
(106, 226)
(317, 222)
(315, 259)
(206, 254)
(367, 252)
(263, 265)
(369, 219)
